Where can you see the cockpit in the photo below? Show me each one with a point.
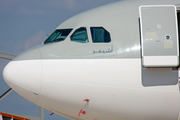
(98, 35)
(58, 35)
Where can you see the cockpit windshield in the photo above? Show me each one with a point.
(58, 35)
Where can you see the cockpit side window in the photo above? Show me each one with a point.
(58, 35)
(80, 35)
(100, 35)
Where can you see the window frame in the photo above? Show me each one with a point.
(53, 33)
(105, 28)
(75, 29)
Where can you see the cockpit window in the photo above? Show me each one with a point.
(100, 35)
(58, 35)
(80, 35)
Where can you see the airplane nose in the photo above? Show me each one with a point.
(24, 74)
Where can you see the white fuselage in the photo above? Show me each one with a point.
(113, 86)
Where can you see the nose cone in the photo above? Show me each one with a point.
(24, 75)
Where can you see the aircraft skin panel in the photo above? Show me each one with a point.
(106, 12)
(116, 86)
(30, 54)
(24, 77)
(112, 81)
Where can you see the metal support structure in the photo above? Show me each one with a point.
(7, 56)
(6, 93)
(41, 113)
(1, 117)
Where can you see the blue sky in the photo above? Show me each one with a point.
(25, 23)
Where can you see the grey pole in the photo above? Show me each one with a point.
(41, 113)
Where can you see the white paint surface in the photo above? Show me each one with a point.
(113, 86)
(24, 77)
(160, 61)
